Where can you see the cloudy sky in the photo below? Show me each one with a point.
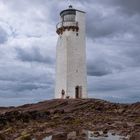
(28, 43)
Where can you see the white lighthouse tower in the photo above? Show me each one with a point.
(71, 80)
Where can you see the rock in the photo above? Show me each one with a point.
(25, 117)
(83, 134)
(113, 133)
(96, 134)
(124, 125)
(65, 115)
(121, 110)
(98, 108)
(135, 136)
(68, 118)
(91, 135)
(137, 126)
(105, 135)
(34, 114)
(79, 138)
(43, 115)
(47, 113)
(61, 136)
(2, 120)
(105, 131)
(61, 111)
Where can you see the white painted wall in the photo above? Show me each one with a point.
(71, 60)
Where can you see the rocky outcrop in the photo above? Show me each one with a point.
(70, 114)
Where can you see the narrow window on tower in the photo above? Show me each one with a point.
(77, 34)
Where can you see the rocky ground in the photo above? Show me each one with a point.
(53, 116)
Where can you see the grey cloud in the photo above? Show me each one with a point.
(29, 86)
(98, 68)
(12, 98)
(19, 86)
(99, 26)
(120, 87)
(110, 19)
(3, 36)
(23, 75)
(104, 87)
(128, 6)
(133, 53)
(33, 55)
(102, 66)
(113, 50)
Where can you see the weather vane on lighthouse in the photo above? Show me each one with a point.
(71, 73)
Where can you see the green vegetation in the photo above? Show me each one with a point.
(24, 137)
(137, 120)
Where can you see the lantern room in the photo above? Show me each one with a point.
(68, 21)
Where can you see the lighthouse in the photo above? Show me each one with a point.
(71, 73)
